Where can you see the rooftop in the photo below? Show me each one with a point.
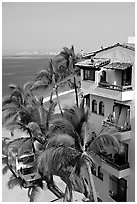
(94, 63)
(130, 46)
(118, 65)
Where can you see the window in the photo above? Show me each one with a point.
(118, 189)
(94, 106)
(100, 174)
(28, 170)
(103, 77)
(89, 75)
(101, 108)
(26, 159)
(122, 115)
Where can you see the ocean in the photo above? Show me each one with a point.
(21, 69)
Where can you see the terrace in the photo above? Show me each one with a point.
(121, 80)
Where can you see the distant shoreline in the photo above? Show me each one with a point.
(14, 56)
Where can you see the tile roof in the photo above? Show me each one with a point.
(124, 45)
(118, 65)
(97, 63)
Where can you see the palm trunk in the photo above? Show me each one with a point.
(58, 101)
(51, 95)
(56, 90)
(92, 185)
(76, 93)
(33, 148)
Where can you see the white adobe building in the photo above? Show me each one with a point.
(108, 86)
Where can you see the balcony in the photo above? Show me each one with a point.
(119, 122)
(115, 167)
(114, 87)
(122, 134)
(120, 93)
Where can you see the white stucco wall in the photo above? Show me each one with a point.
(97, 119)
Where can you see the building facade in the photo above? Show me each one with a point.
(108, 86)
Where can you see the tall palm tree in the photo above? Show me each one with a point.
(48, 78)
(67, 59)
(65, 154)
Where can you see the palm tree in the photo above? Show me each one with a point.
(48, 78)
(65, 154)
(14, 105)
(67, 59)
(24, 111)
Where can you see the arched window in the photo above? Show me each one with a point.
(94, 106)
(101, 108)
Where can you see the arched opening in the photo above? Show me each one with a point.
(94, 106)
(101, 108)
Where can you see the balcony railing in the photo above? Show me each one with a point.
(121, 129)
(118, 165)
(108, 158)
(114, 87)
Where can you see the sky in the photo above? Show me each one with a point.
(49, 26)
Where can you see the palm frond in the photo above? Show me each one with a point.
(78, 182)
(77, 116)
(12, 87)
(4, 160)
(13, 181)
(5, 169)
(35, 129)
(60, 140)
(42, 75)
(39, 85)
(8, 100)
(15, 144)
(27, 86)
(11, 126)
(5, 142)
(12, 114)
(102, 141)
(44, 162)
(19, 95)
(53, 159)
(26, 147)
(61, 125)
